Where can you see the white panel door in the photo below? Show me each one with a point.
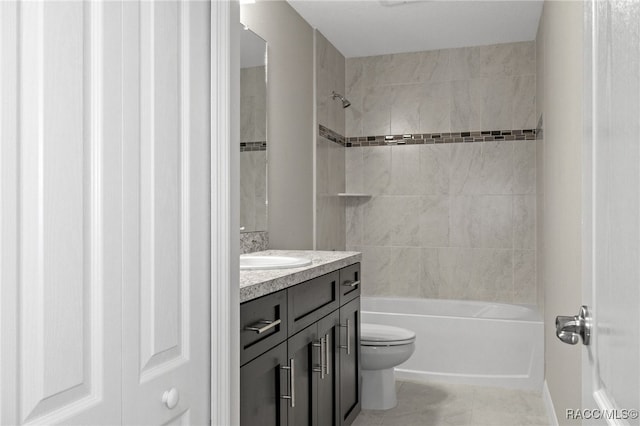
(166, 212)
(611, 364)
(104, 212)
(60, 251)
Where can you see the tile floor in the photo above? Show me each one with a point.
(437, 404)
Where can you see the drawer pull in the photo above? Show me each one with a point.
(292, 383)
(351, 283)
(268, 325)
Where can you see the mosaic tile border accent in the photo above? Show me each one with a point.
(253, 146)
(432, 138)
(329, 134)
(453, 137)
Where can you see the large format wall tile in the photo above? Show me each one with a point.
(434, 107)
(354, 172)
(405, 108)
(378, 219)
(524, 103)
(405, 224)
(376, 111)
(524, 167)
(405, 171)
(434, 221)
(353, 221)
(376, 169)
(524, 276)
(524, 221)
(445, 220)
(466, 105)
(464, 89)
(404, 272)
(435, 168)
(497, 102)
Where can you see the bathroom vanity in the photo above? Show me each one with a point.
(300, 341)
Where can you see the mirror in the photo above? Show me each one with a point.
(253, 132)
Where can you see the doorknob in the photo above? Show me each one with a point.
(171, 398)
(571, 329)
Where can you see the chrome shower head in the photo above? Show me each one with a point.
(345, 101)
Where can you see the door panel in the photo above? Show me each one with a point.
(306, 357)
(350, 381)
(104, 167)
(58, 178)
(329, 386)
(262, 382)
(611, 372)
(166, 192)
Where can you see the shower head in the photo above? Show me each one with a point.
(345, 101)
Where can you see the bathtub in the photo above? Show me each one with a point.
(477, 343)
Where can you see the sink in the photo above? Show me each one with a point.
(252, 262)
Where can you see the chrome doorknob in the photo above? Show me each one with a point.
(171, 398)
(570, 329)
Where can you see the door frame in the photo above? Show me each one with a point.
(225, 212)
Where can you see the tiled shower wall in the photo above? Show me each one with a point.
(330, 156)
(450, 90)
(444, 220)
(253, 154)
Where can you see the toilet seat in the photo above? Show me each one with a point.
(385, 335)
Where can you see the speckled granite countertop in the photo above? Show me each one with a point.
(256, 283)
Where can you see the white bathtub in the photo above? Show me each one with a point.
(478, 343)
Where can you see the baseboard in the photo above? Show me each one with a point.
(548, 405)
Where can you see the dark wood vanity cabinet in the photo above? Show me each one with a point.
(312, 378)
(350, 382)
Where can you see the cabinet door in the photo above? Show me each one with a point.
(350, 382)
(263, 382)
(166, 212)
(329, 382)
(304, 355)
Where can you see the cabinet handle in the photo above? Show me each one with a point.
(327, 355)
(321, 368)
(348, 346)
(292, 383)
(269, 325)
(351, 283)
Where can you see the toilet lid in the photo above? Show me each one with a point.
(386, 335)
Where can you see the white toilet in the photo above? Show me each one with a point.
(382, 348)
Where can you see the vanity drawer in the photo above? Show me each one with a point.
(349, 283)
(263, 324)
(312, 300)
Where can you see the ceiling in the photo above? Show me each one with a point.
(376, 27)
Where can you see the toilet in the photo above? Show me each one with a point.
(382, 348)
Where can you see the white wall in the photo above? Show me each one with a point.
(562, 171)
(289, 121)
